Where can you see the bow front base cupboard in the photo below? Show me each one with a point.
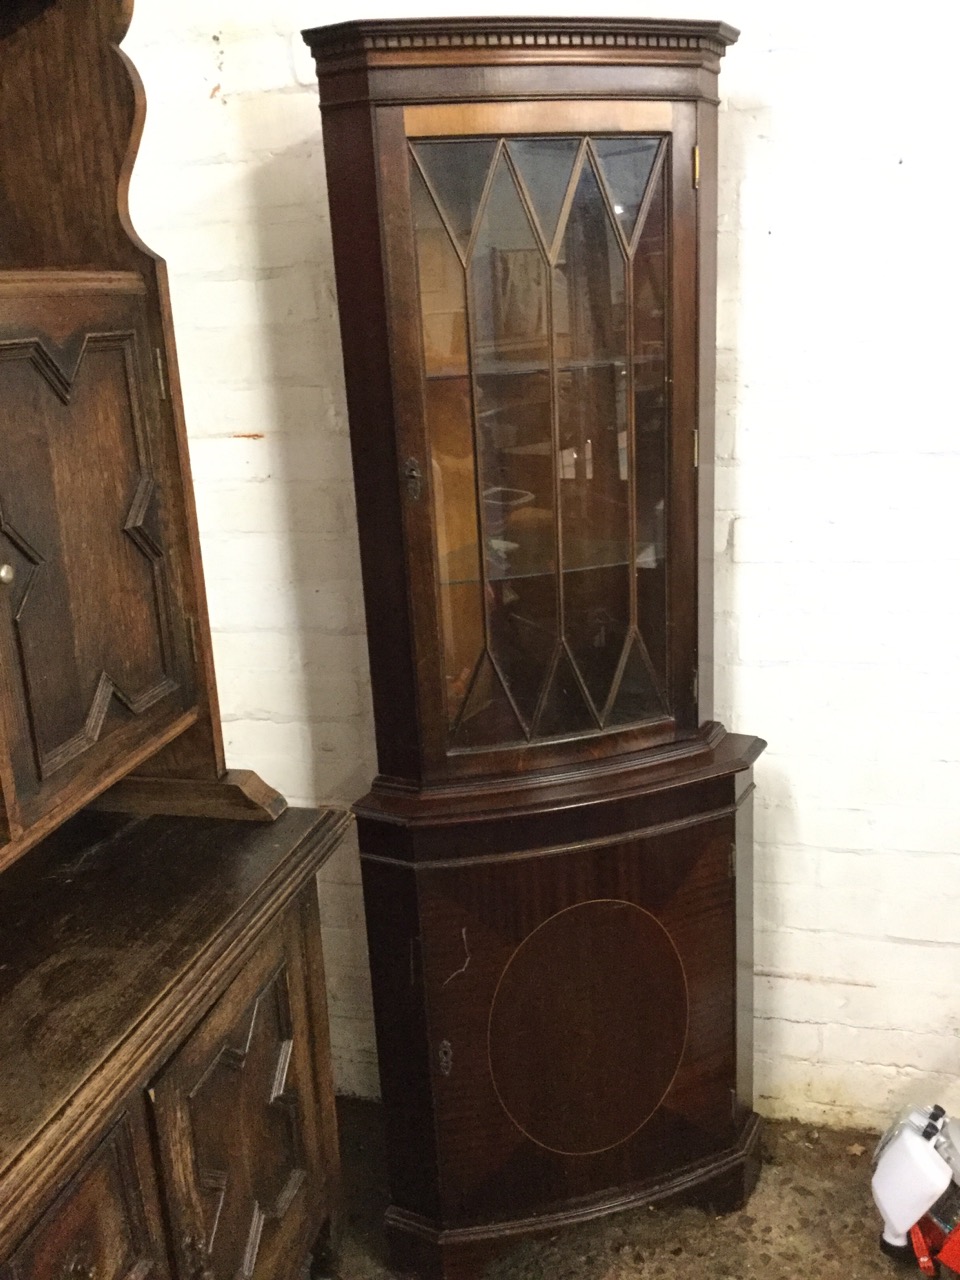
(556, 851)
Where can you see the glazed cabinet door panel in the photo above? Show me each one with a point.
(236, 1115)
(93, 640)
(551, 252)
(105, 1223)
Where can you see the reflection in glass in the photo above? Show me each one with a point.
(638, 696)
(545, 346)
(565, 708)
(443, 307)
(449, 422)
(487, 717)
(651, 410)
(457, 172)
(545, 165)
(590, 345)
(626, 164)
(508, 280)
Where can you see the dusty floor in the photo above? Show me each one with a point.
(811, 1218)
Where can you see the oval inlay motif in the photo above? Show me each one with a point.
(588, 1026)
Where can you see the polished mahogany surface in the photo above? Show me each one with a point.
(555, 853)
(529, 393)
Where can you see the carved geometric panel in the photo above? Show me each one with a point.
(96, 1228)
(245, 1131)
(235, 1116)
(90, 607)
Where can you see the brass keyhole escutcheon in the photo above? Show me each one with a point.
(414, 478)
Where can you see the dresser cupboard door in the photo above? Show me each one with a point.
(93, 640)
(237, 1124)
(105, 1223)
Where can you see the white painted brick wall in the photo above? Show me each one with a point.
(839, 466)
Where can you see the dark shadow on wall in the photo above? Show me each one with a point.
(310, 451)
(309, 448)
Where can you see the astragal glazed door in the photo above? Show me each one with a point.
(550, 296)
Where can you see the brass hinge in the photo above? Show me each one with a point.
(696, 168)
(160, 373)
(696, 685)
(733, 862)
(696, 450)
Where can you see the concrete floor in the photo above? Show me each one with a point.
(810, 1218)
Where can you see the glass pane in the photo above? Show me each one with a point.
(596, 612)
(638, 697)
(547, 433)
(508, 279)
(488, 718)
(651, 408)
(449, 422)
(565, 708)
(443, 303)
(546, 166)
(592, 409)
(591, 352)
(457, 172)
(589, 313)
(626, 165)
(450, 441)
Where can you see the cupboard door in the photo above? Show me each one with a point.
(93, 639)
(552, 288)
(103, 1226)
(582, 1015)
(238, 1128)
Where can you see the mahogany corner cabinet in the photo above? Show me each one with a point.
(557, 848)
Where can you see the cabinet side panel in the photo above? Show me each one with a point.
(403, 1037)
(744, 892)
(75, 107)
(707, 339)
(305, 924)
(687, 377)
(355, 219)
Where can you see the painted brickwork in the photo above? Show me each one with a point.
(837, 530)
